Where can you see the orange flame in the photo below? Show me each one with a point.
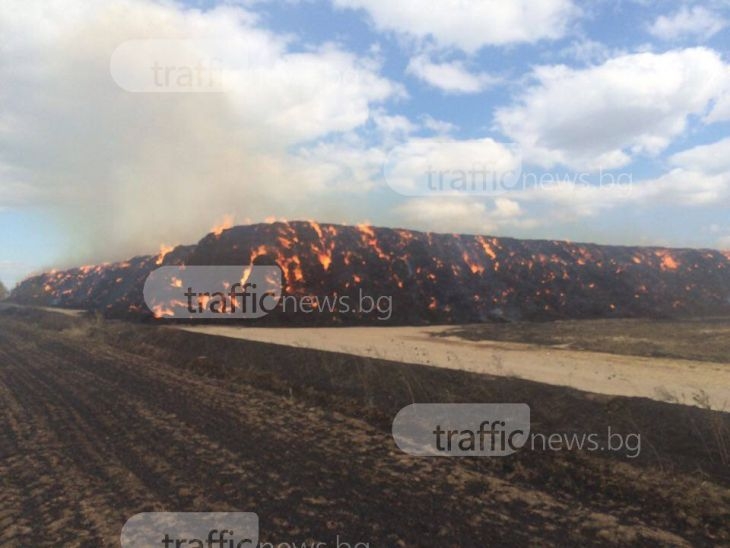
(368, 237)
(324, 253)
(164, 250)
(160, 311)
(487, 247)
(225, 224)
(668, 262)
(475, 267)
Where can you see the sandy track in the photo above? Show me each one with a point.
(90, 435)
(662, 379)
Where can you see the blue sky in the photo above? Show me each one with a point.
(336, 110)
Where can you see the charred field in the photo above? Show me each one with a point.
(103, 419)
(106, 417)
(670, 338)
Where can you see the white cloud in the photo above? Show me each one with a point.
(451, 77)
(567, 201)
(588, 51)
(445, 166)
(462, 216)
(391, 128)
(699, 177)
(686, 188)
(470, 25)
(506, 208)
(696, 22)
(721, 109)
(710, 159)
(602, 116)
(678, 187)
(346, 167)
(126, 171)
(439, 127)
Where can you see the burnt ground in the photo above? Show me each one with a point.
(705, 339)
(101, 420)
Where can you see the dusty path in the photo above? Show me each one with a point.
(90, 435)
(682, 381)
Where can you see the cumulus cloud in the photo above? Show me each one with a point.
(602, 116)
(720, 111)
(713, 158)
(125, 171)
(687, 188)
(462, 215)
(470, 25)
(697, 179)
(436, 166)
(451, 77)
(688, 22)
(439, 127)
(588, 51)
(393, 127)
(303, 129)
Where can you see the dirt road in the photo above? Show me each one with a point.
(91, 434)
(689, 382)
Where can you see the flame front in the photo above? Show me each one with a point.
(225, 224)
(446, 277)
(164, 251)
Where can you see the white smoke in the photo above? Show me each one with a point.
(121, 172)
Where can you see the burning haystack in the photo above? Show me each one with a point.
(438, 278)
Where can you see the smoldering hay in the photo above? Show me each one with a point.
(429, 277)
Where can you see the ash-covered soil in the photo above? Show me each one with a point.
(101, 420)
(703, 339)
